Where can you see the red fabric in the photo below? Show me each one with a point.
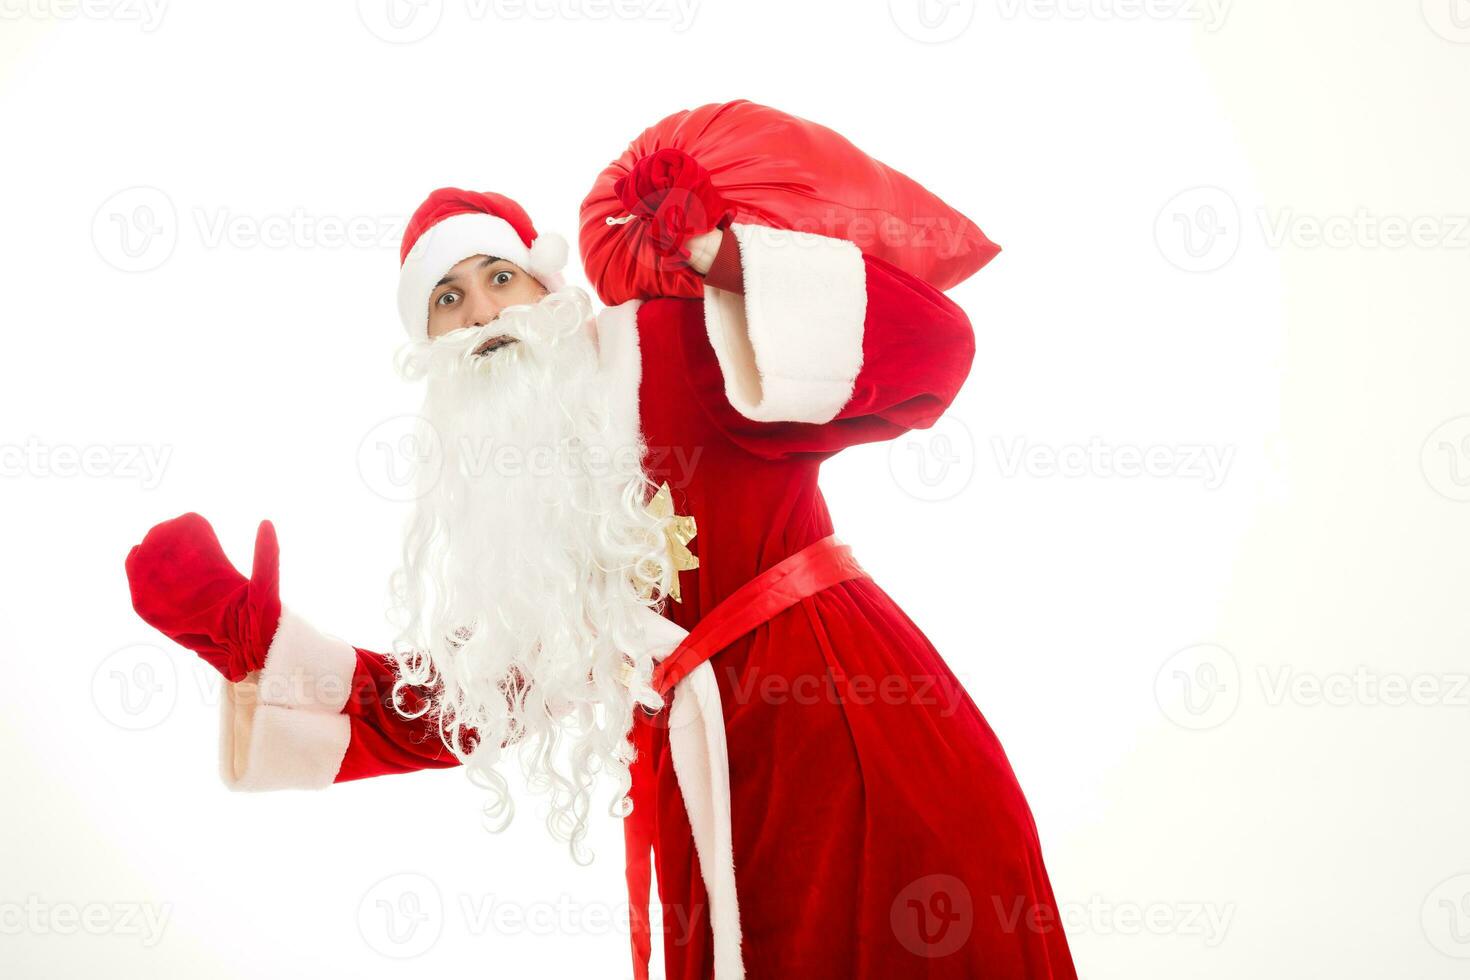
(876, 819)
(820, 565)
(671, 193)
(183, 585)
(778, 170)
(726, 272)
(446, 202)
(639, 829)
(384, 742)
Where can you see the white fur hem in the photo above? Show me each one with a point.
(282, 727)
(791, 348)
(702, 765)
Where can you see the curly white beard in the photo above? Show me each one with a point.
(529, 560)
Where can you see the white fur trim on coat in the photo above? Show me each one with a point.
(791, 348)
(282, 727)
(455, 239)
(696, 720)
(702, 765)
(621, 362)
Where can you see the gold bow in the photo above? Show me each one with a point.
(678, 532)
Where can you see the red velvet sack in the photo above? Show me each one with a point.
(739, 161)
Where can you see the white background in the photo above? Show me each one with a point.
(1236, 699)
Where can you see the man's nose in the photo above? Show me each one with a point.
(483, 312)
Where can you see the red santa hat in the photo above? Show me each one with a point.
(452, 225)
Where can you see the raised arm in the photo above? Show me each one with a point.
(301, 709)
(819, 346)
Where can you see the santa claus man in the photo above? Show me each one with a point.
(620, 563)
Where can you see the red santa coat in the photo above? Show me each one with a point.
(876, 827)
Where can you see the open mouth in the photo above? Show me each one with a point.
(493, 344)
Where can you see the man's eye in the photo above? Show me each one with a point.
(502, 277)
(447, 298)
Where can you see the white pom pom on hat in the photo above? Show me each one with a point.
(549, 251)
(452, 225)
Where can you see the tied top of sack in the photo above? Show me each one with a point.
(739, 161)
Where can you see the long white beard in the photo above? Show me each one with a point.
(529, 560)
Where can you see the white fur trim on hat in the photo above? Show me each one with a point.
(455, 239)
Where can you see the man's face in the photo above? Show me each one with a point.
(476, 290)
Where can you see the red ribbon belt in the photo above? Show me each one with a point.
(820, 565)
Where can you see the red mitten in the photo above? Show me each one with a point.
(184, 586)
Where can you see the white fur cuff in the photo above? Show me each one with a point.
(282, 727)
(791, 348)
(266, 747)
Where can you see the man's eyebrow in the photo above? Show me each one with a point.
(487, 260)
